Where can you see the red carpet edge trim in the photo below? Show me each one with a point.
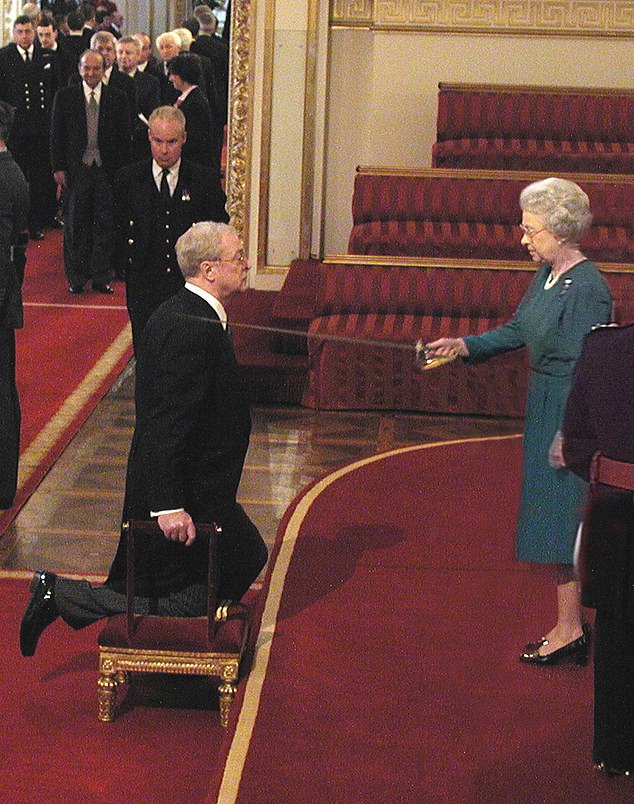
(46, 440)
(236, 757)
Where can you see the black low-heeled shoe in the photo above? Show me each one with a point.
(531, 647)
(575, 651)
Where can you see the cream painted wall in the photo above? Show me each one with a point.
(383, 95)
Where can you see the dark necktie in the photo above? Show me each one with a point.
(165, 188)
(27, 56)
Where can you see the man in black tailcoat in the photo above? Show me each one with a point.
(148, 93)
(151, 215)
(600, 418)
(190, 440)
(85, 170)
(14, 206)
(27, 82)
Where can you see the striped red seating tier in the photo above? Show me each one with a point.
(554, 129)
(469, 214)
(386, 306)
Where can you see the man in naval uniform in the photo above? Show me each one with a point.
(27, 83)
(156, 201)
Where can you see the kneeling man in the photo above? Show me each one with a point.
(188, 448)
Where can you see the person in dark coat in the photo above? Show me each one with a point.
(150, 216)
(28, 83)
(148, 93)
(14, 205)
(86, 170)
(216, 50)
(188, 449)
(203, 137)
(599, 418)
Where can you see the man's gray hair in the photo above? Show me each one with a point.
(202, 241)
(102, 36)
(562, 204)
(168, 113)
(128, 39)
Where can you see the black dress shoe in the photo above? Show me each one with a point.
(38, 234)
(575, 651)
(76, 289)
(106, 289)
(40, 612)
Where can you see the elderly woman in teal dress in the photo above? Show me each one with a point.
(566, 299)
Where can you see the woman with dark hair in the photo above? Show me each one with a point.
(566, 299)
(201, 144)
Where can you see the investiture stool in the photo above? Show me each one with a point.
(188, 449)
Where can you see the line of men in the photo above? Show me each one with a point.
(115, 157)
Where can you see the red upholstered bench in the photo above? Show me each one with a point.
(475, 214)
(400, 301)
(554, 129)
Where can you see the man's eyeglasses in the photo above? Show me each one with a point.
(530, 233)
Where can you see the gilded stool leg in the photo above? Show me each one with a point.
(226, 692)
(106, 696)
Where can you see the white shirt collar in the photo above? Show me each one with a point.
(28, 50)
(172, 179)
(211, 300)
(88, 90)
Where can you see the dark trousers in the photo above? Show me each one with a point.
(613, 692)
(89, 227)
(80, 603)
(31, 152)
(9, 419)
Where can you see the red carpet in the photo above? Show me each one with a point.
(386, 668)
(68, 354)
(53, 748)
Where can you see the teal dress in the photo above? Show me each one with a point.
(552, 323)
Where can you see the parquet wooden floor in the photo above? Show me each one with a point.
(70, 524)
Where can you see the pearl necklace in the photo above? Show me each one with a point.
(553, 278)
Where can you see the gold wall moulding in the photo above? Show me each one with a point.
(239, 132)
(526, 17)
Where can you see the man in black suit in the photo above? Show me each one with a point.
(217, 51)
(14, 205)
(186, 459)
(151, 214)
(90, 141)
(599, 417)
(105, 43)
(72, 45)
(28, 84)
(148, 93)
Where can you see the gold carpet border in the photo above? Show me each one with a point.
(236, 757)
(52, 431)
(598, 18)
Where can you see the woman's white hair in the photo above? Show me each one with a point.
(562, 204)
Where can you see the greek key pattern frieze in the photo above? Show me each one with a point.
(526, 17)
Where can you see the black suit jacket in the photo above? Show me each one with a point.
(150, 280)
(69, 133)
(190, 439)
(201, 145)
(148, 97)
(217, 51)
(600, 417)
(14, 205)
(600, 409)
